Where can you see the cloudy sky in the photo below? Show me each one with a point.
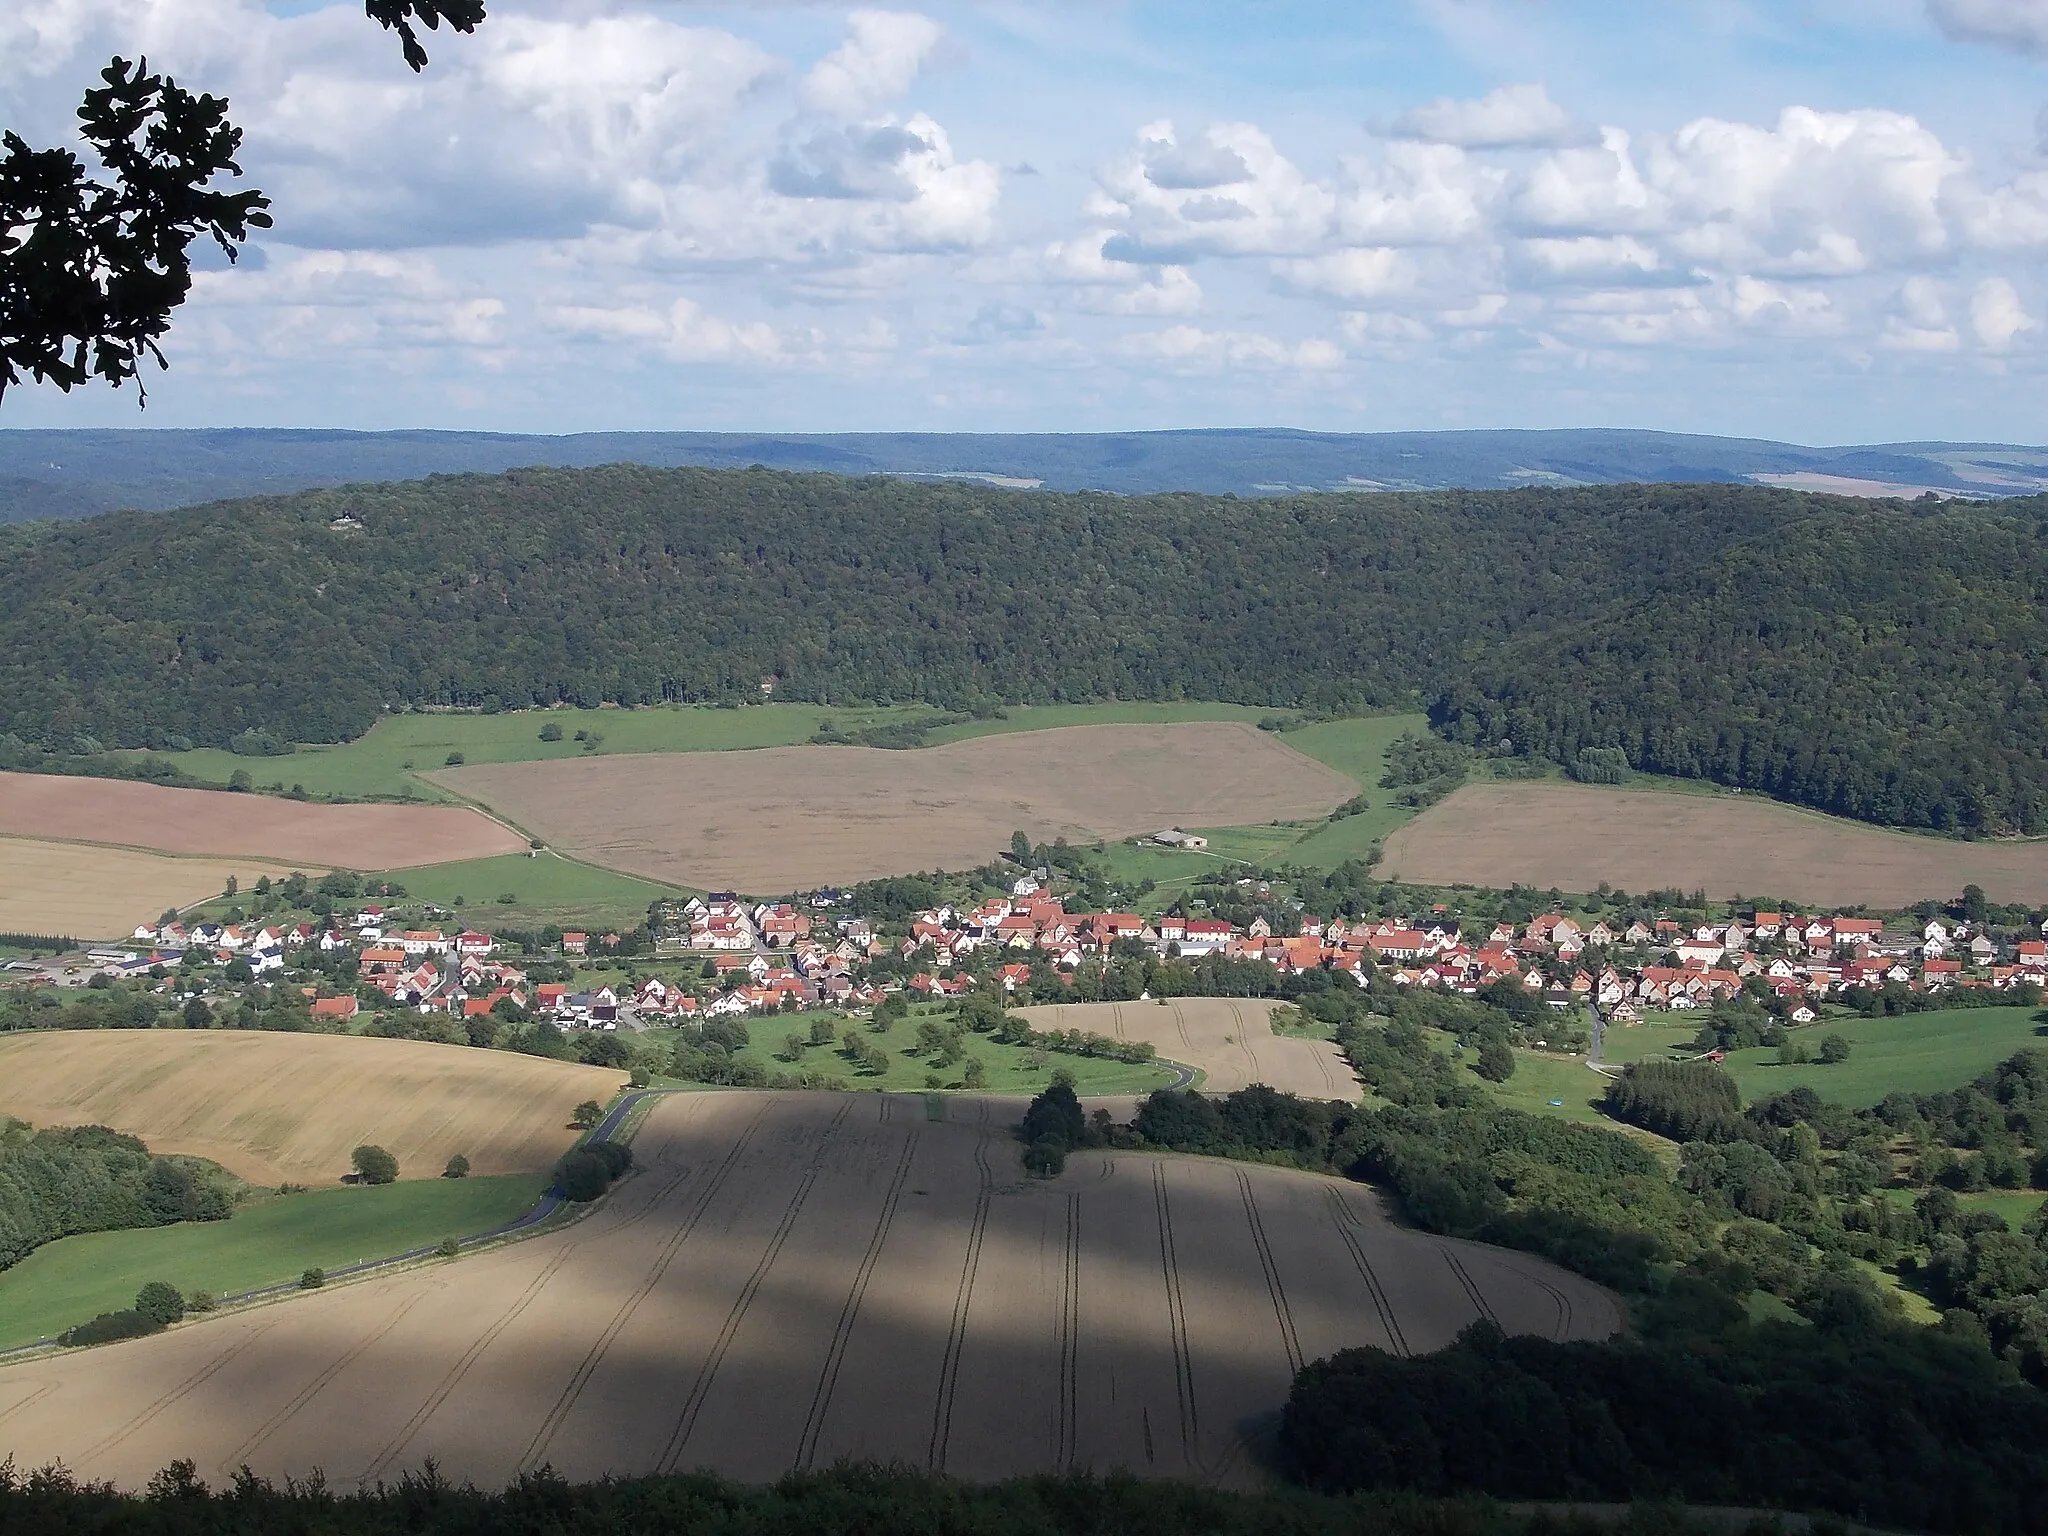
(1822, 220)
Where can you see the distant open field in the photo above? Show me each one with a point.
(391, 758)
(1573, 836)
(792, 1279)
(92, 892)
(1907, 1053)
(544, 889)
(291, 1107)
(203, 821)
(786, 818)
(272, 1239)
(1229, 1038)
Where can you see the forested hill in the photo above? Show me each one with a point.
(1879, 659)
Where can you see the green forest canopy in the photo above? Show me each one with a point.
(1867, 658)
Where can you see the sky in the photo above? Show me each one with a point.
(1823, 221)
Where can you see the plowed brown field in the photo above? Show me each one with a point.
(277, 1107)
(785, 818)
(793, 1279)
(1229, 1038)
(1573, 836)
(91, 892)
(212, 821)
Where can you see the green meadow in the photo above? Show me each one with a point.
(269, 1239)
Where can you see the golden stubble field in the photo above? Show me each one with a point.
(791, 1279)
(785, 818)
(1229, 1038)
(311, 837)
(1573, 836)
(92, 892)
(275, 1107)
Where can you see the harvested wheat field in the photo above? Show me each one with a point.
(274, 1107)
(791, 1279)
(215, 822)
(785, 818)
(1573, 836)
(1229, 1038)
(92, 892)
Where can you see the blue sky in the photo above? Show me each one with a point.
(1823, 220)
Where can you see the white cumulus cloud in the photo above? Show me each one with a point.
(882, 54)
(1997, 315)
(1515, 116)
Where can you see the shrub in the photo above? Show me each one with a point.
(447, 1248)
(453, 760)
(1834, 1049)
(1496, 1062)
(201, 1301)
(586, 1172)
(108, 1327)
(160, 1302)
(587, 1114)
(551, 732)
(374, 1165)
(1045, 1158)
(458, 1167)
(313, 1279)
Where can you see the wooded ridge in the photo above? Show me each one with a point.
(1875, 659)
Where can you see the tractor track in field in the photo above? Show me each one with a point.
(956, 1336)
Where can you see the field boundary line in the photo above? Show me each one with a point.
(707, 1373)
(1346, 1222)
(1176, 1317)
(452, 1379)
(305, 1395)
(849, 1312)
(594, 1357)
(963, 1298)
(1283, 1314)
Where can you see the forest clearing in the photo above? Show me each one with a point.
(789, 818)
(792, 1279)
(1230, 1039)
(94, 892)
(278, 1107)
(1575, 836)
(126, 814)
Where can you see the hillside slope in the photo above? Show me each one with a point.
(1867, 657)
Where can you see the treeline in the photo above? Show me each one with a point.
(60, 1182)
(1866, 659)
(1905, 1428)
(845, 1499)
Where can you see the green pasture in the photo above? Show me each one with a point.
(547, 888)
(273, 1238)
(1009, 1068)
(1909, 1053)
(2016, 1206)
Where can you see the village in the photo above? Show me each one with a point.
(719, 956)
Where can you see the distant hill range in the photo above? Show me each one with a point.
(67, 474)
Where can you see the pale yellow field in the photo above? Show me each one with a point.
(1573, 836)
(275, 1107)
(792, 1279)
(1229, 1038)
(91, 892)
(786, 818)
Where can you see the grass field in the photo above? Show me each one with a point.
(2017, 1206)
(1911, 1053)
(276, 1237)
(799, 1278)
(1009, 1068)
(276, 1107)
(547, 888)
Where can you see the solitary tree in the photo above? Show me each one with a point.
(1496, 1062)
(458, 1167)
(1833, 1049)
(374, 1165)
(160, 1303)
(588, 1113)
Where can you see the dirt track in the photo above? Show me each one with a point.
(1229, 1038)
(787, 818)
(212, 821)
(272, 1107)
(795, 1278)
(1573, 836)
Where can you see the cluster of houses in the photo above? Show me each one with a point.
(767, 958)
